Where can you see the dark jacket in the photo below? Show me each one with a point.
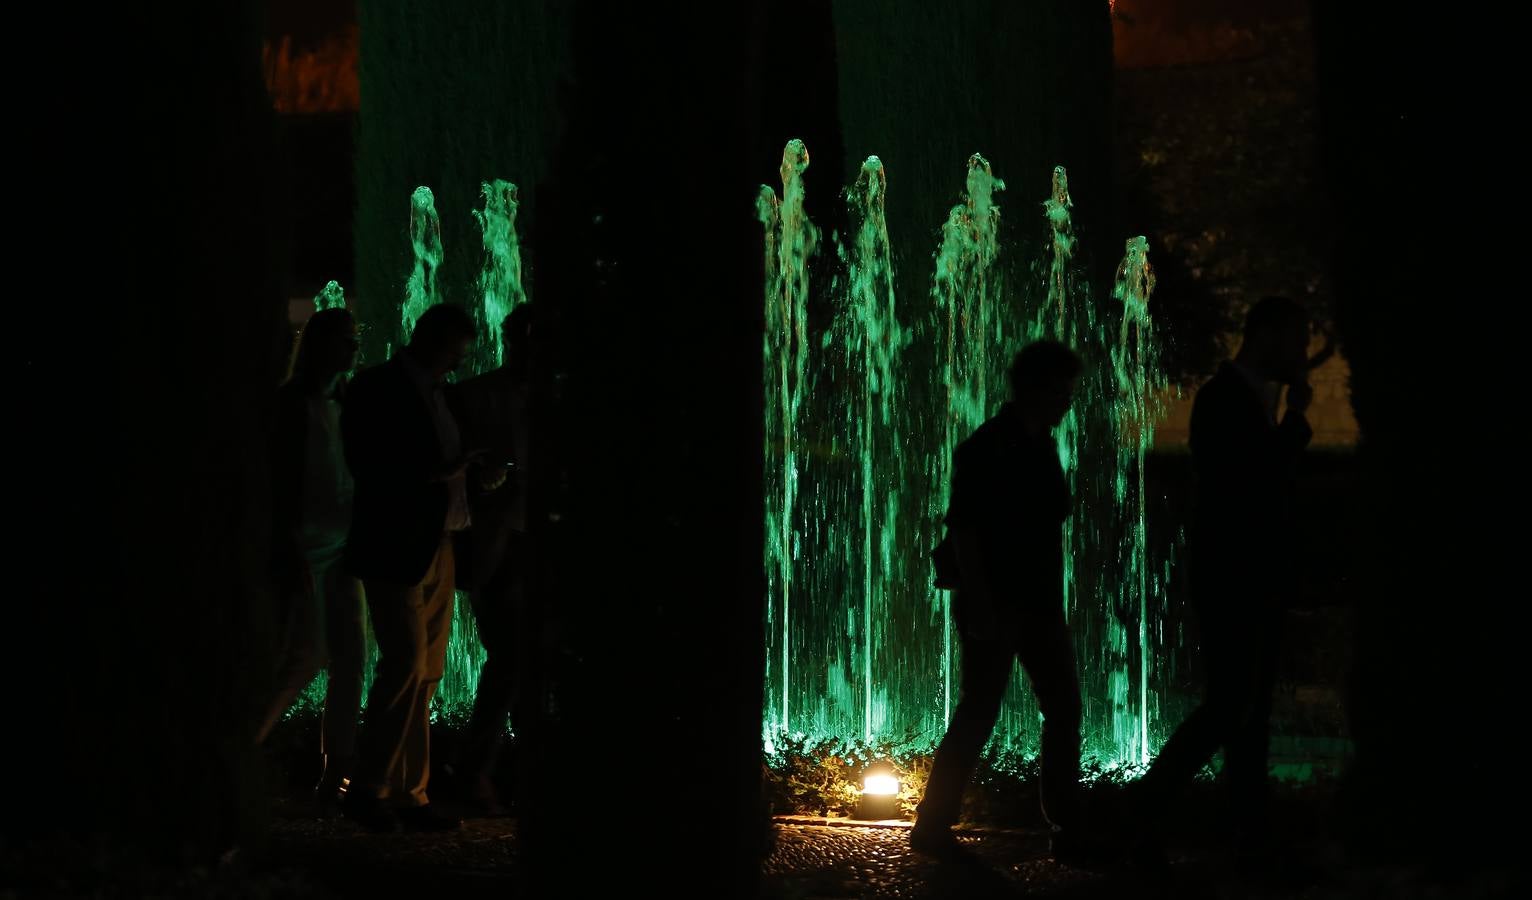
(1008, 487)
(1243, 528)
(399, 513)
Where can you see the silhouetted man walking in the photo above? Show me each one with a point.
(1004, 520)
(1243, 547)
(410, 466)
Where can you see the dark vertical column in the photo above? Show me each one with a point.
(149, 335)
(1412, 112)
(650, 271)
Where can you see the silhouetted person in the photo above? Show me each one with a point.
(411, 472)
(1004, 521)
(1243, 549)
(493, 555)
(311, 515)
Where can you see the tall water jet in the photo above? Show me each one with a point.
(1058, 319)
(777, 556)
(977, 337)
(873, 340)
(1068, 312)
(499, 282)
(1058, 210)
(791, 242)
(420, 290)
(1135, 364)
(1115, 571)
(976, 334)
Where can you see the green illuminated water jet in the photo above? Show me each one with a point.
(791, 242)
(1059, 319)
(420, 291)
(1113, 607)
(331, 296)
(872, 340)
(1135, 363)
(978, 329)
(499, 281)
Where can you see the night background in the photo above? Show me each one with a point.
(707, 703)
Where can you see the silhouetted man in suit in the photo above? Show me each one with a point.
(1005, 517)
(410, 466)
(1243, 544)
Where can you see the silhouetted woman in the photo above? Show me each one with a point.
(323, 606)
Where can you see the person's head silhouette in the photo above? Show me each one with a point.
(327, 347)
(1043, 378)
(1276, 341)
(442, 339)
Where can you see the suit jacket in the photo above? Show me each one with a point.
(1243, 529)
(398, 514)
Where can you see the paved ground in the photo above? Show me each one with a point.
(810, 862)
(312, 858)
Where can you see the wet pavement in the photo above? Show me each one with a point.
(811, 861)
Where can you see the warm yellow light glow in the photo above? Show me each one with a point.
(880, 784)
